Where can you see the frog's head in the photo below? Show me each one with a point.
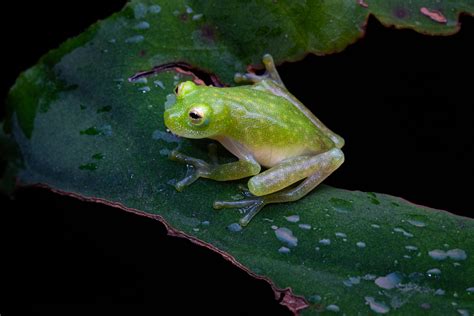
(195, 114)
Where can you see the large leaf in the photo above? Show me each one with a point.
(83, 129)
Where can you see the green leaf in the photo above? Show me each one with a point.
(78, 126)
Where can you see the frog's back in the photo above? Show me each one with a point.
(270, 126)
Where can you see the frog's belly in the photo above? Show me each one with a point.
(271, 156)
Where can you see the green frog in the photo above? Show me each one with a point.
(265, 127)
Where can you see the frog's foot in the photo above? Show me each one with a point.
(270, 73)
(195, 168)
(249, 206)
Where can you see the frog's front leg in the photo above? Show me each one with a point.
(270, 73)
(198, 168)
(266, 186)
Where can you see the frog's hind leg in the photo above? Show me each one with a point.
(266, 186)
(270, 73)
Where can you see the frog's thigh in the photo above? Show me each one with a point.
(295, 169)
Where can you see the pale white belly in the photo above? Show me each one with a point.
(271, 156)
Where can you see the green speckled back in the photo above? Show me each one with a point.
(260, 119)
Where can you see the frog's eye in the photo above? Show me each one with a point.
(197, 115)
(184, 88)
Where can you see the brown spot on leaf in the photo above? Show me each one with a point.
(362, 3)
(400, 13)
(435, 15)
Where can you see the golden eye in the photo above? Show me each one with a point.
(196, 115)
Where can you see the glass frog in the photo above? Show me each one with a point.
(263, 125)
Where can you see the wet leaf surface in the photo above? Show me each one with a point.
(83, 129)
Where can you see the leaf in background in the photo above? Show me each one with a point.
(82, 128)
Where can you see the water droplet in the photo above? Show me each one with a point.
(314, 299)
(205, 223)
(457, 254)
(342, 235)
(440, 292)
(167, 137)
(406, 256)
(106, 108)
(374, 201)
(333, 308)
(159, 83)
(411, 248)
(139, 11)
(293, 218)
(470, 290)
(371, 194)
(317, 248)
(98, 156)
(268, 219)
(284, 250)
(196, 229)
(402, 231)
(340, 205)
(425, 305)
(416, 223)
(141, 80)
(144, 89)
(286, 236)
(305, 226)
(90, 131)
(274, 227)
(378, 307)
(93, 131)
(142, 25)
(437, 254)
(435, 272)
(463, 312)
(155, 9)
(351, 281)
(369, 277)
(389, 281)
(197, 16)
(88, 166)
(189, 10)
(361, 244)
(135, 39)
(454, 254)
(325, 242)
(234, 227)
(375, 226)
(170, 101)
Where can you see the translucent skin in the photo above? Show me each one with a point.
(270, 127)
(263, 125)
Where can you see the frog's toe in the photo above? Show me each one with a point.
(191, 176)
(195, 168)
(249, 78)
(250, 207)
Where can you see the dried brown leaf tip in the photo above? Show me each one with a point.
(435, 15)
(362, 3)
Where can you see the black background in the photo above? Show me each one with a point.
(403, 102)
